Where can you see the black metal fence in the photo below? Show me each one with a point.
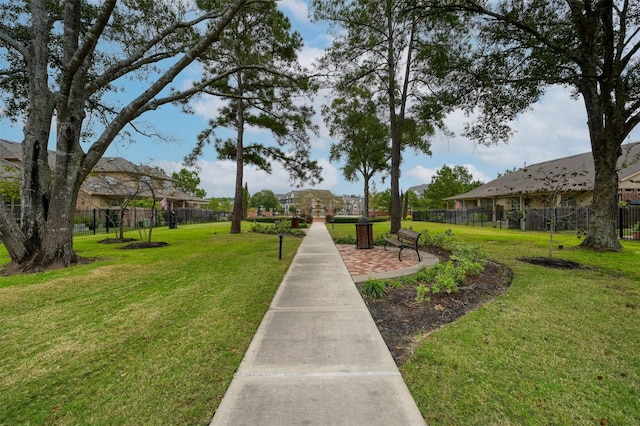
(470, 217)
(93, 221)
(564, 219)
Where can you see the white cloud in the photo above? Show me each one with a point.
(422, 174)
(207, 106)
(296, 9)
(331, 177)
(308, 55)
(476, 173)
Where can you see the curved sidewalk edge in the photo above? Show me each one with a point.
(317, 357)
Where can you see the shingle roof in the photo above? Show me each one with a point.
(568, 174)
(419, 189)
(97, 183)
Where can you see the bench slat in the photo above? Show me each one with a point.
(405, 239)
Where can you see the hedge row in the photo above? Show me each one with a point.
(272, 219)
(343, 219)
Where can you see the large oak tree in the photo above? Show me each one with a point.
(590, 46)
(62, 61)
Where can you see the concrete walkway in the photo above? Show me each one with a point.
(317, 357)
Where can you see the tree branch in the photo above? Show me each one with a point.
(131, 111)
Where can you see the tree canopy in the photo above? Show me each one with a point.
(400, 56)
(447, 182)
(62, 65)
(265, 199)
(265, 91)
(187, 181)
(363, 137)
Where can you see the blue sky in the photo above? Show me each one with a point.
(554, 127)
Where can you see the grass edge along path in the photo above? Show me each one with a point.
(152, 336)
(559, 347)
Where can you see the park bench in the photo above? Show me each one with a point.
(404, 238)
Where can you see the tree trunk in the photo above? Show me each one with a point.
(396, 137)
(366, 195)
(605, 104)
(236, 219)
(602, 230)
(12, 236)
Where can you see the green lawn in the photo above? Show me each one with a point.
(559, 348)
(147, 336)
(154, 336)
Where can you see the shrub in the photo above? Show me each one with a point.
(283, 228)
(86, 220)
(354, 219)
(374, 289)
(469, 258)
(444, 240)
(346, 240)
(448, 276)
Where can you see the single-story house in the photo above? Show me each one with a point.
(566, 182)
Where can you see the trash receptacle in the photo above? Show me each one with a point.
(364, 234)
(173, 220)
(295, 222)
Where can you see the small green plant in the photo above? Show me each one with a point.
(469, 258)
(447, 277)
(423, 276)
(374, 289)
(444, 240)
(379, 240)
(422, 292)
(636, 227)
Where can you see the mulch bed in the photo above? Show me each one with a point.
(144, 245)
(551, 262)
(402, 321)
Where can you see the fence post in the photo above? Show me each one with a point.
(621, 222)
(95, 223)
